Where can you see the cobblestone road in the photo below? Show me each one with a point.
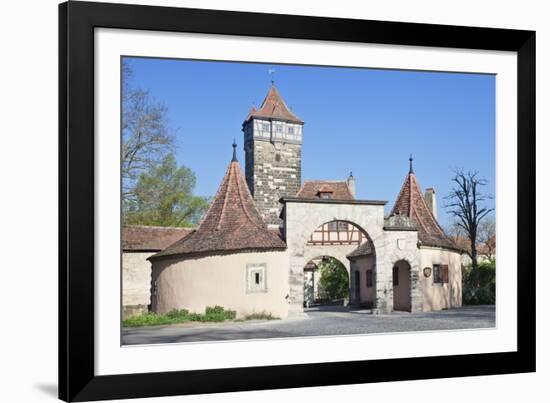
(317, 322)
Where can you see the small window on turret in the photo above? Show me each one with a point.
(278, 157)
(265, 127)
(291, 130)
(278, 128)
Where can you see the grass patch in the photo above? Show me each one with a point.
(261, 316)
(211, 314)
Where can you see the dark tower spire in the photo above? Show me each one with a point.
(411, 164)
(234, 151)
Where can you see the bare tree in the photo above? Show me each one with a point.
(486, 235)
(146, 138)
(466, 205)
(456, 232)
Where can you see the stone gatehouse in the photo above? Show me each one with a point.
(265, 229)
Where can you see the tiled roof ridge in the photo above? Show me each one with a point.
(415, 207)
(156, 226)
(411, 193)
(403, 187)
(241, 199)
(227, 191)
(423, 201)
(206, 214)
(274, 106)
(232, 223)
(312, 188)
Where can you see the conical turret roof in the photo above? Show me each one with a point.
(411, 203)
(231, 224)
(274, 107)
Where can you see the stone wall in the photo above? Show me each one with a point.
(401, 246)
(302, 218)
(273, 170)
(273, 164)
(136, 282)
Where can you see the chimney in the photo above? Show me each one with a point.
(351, 184)
(429, 197)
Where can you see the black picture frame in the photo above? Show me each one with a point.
(77, 21)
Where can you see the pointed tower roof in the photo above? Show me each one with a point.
(411, 203)
(231, 224)
(274, 107)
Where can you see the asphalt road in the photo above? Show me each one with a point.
(317, 322)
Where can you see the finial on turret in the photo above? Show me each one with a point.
(351, 184)
(234, 150)
(411, 164)
(272, 74)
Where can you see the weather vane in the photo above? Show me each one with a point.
(272, 74)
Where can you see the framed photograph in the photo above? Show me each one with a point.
(260, 201)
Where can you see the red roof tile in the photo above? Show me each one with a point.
(365, 249)
(151, 238)
(311, 189)
(411, 203)
(325, 188)
(274, 107)
(231, 224)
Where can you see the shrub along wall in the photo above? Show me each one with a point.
(479, 284)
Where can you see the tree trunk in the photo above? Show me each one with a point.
(474, 252)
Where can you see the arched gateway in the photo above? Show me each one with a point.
(386, 243)
(326, 281)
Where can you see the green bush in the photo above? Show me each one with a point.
(260, 316)
(479, 285)
(218, 314)
(334, 280)
(212, 314)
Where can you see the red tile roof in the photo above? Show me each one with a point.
(411, 203)
(311, 189)
(274, 107)
(231, 224)
(365, 249)
(151, 238)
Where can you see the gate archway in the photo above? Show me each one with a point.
(304, 217)
(346, 242)
(326, 282)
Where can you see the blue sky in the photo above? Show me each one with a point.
(363, 120)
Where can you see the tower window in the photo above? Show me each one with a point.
(278, 157)
(265, 127)
(291, 130)
(278, 128)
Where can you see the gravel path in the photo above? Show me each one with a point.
(317, 322)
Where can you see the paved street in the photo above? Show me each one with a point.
(336, 320)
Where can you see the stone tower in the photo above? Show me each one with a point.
(273, 155)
